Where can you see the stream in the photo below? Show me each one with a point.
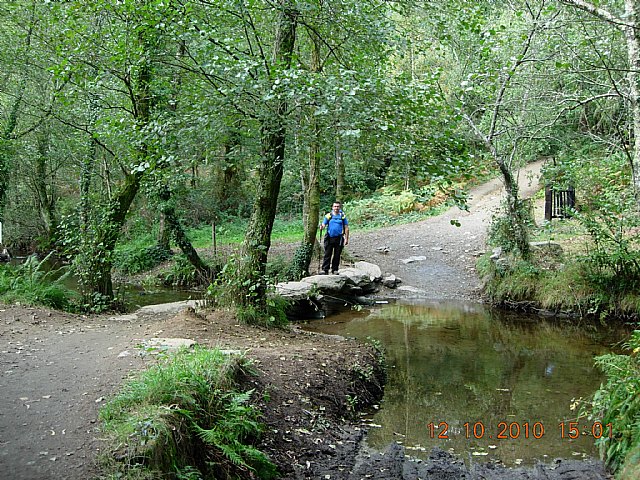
(483, 384)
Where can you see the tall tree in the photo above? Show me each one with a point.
(501, 87)
(115, 66)
(627, 20)
(273, 140)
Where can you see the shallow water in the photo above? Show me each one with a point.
(483, 384)
(136, 297)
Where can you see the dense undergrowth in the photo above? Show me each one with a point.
(33, 282)
(185, 418)
(617, 403)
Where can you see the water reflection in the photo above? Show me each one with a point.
(469, 375)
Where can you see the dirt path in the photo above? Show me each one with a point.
(57, 369)
(448, 271)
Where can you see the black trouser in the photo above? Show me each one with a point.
(332, 246)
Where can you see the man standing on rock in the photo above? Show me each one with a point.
(336, 238)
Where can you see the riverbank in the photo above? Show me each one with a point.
(58, 369)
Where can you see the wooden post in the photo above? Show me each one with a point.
(548, 203)
(213, 239)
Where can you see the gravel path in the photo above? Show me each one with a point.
(448, 270)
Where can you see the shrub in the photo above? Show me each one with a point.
(184, 418)
(181, 273)
(613, 260)
(389, 208)
(133, 259)
(230, 291)
(33, 283)
(617, 402)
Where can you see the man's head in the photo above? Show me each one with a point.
(336, 206)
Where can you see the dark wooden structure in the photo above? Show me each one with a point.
(558, 203)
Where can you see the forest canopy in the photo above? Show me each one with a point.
(163, 115)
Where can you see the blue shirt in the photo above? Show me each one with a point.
(336, 223)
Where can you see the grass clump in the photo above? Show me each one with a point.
(185, 418)
(588, 265)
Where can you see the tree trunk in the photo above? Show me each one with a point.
(109, 229)
(258, 237)
(204, 272)
(311, 207)
(46, 199)
(516, 211)
(632, 34)
(164, 234)
(9, 128)
(340, 191)
(5, 148)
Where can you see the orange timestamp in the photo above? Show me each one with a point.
(515, 430)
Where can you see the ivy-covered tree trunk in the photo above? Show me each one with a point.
(109, 232)
(173, 225)
(7, 134)
(96, 259)
(164, 234)
(311, 207)
(257, 242)
(516, 211)
(5, 148)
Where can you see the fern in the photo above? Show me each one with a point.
(191, 394)
(237, 423)
(618, 403)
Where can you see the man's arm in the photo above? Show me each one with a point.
(346, 234)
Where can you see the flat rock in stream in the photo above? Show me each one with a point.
(371, 269)
(320, 295)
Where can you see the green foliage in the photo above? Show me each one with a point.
(231, 230)
(390, 207)
(555, 284)
(229, 290)
(239, 421)
(501, 231)
(180, 272)
(613, 261)
(92, 262)
(184, 417)
(35, 283)
(617, 402)
(131, 260)
(299, 266)
(509, 281)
